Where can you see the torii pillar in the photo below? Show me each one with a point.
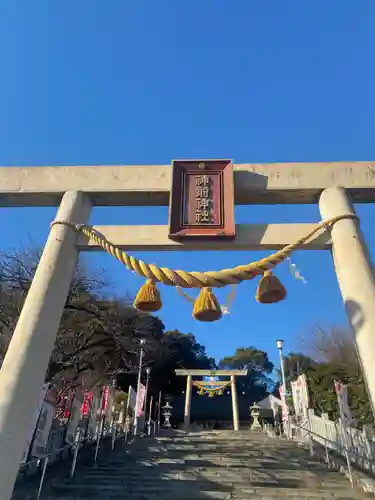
(26, 361)
(236, 419)
(356, 277)
(189, 386)
(210, 373)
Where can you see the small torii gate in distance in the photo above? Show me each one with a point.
(76, 189)
(189, 374)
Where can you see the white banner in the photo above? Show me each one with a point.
(342, 400)
(110, 403)
(34, 421)
(140, 400)
(300, 395)
(44, 426)
(75, 418)
(132, 398)
(94, 417)
(284, 408)
(121, 415)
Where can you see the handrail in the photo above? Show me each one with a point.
(336, 445)
(312, 433)
(55, 452)
(45, 459)
(37, 459)
(76, 445)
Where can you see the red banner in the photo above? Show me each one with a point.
(105, 397)
(86, 405)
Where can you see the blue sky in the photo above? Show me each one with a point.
(120, 82)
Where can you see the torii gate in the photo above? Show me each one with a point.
(189, 374)
(76, 189)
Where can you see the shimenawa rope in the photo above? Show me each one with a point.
(196, 279)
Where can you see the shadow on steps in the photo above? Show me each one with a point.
(193, 467)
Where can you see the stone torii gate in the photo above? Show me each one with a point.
(76, 189)
(189, 374)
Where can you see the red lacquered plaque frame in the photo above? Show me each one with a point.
(202, 200)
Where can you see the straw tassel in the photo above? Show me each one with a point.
(270, 289)
(206, 306)
(148, 298)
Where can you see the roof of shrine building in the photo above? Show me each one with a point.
(269, 402)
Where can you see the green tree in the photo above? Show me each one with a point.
(322, 394)
(296, 363)
(335, 358)
(98, 337)
(178, 350)
(257, 383)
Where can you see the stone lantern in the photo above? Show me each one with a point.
(167, 413)
(255, 413)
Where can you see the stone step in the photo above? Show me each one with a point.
(217, 474)
(206, 495)
(160, 487)
(297, 494)
(214, 456)
(203, 483)
(178, 491)
(203, 466)
(250, 454)
(198, 444)
(141, 471)
(197, 450)
(293, 452)
(212, 453)
(183, 495)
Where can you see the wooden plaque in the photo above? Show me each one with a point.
(202, 200)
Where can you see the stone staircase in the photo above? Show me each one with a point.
(202, 466)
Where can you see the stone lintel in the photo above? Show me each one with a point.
(210, 373)
(273, 183)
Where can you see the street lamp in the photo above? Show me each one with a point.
(148, 371)
(280, 346)
(137, 410)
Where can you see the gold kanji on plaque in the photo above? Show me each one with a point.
(201, 201)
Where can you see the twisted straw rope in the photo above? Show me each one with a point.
(201, 385)
(196, 279)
